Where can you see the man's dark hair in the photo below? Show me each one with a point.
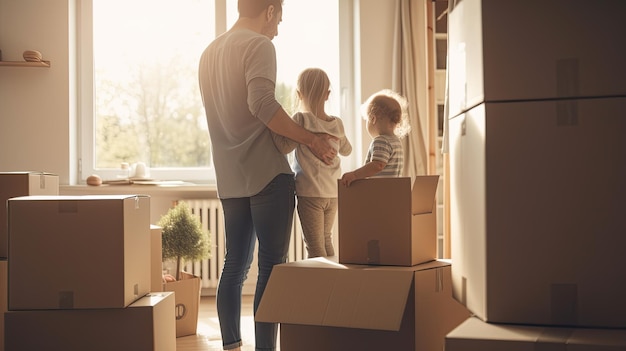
(252, 8)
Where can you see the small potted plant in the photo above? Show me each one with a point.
(183, 239)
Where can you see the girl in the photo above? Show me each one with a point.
(387, 123)
(316, 182)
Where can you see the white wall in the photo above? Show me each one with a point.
(37, 105)
(38, 118)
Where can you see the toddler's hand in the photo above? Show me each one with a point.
(348, 178)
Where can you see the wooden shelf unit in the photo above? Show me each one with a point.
(24, 64)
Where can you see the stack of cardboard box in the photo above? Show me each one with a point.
(537, 152)
(385, 291)
(14, 184)
(79, 275)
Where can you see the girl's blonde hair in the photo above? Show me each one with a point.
(389, 105)
(313, 85)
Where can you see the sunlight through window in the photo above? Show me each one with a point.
(147, 105)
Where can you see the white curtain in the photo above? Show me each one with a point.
(410, 78)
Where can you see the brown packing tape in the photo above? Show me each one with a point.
(42, 181)
(567, 113)
(567, 77)
(564, 304)
(373, 252)
(66, 300)
(553, 339)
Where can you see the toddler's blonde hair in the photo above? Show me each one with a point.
(389, 105)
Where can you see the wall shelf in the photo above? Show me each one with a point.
(24, 64)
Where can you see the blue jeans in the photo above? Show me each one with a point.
(268, 217)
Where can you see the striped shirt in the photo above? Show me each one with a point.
(387, 149)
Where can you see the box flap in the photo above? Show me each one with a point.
(324, 293)
(423, 194)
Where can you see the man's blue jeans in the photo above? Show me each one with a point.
(268, 217)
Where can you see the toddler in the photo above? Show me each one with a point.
(387, 123)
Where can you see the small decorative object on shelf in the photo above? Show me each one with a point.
(32, 58)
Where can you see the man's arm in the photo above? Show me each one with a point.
(282, 124)
(284, 144)
(263, 105)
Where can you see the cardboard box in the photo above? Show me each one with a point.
(3, 299)
(14, 184)
(78, 251)
(510, 51)
(148, 324)
(156, 260)
(187, 291)
(537, 222)
(323, 305)
(382, 221)
(476, 335)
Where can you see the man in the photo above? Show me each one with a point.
(255, 183)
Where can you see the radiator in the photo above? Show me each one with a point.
(209, 211)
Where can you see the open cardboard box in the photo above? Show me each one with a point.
(324, 305)
(384, 221)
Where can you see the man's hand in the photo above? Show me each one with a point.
(322, 147)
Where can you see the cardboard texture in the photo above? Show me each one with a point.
(476, 335)
(383, 221)
(73, 252)
(3, 299)
(324, 305)
(148, 324)
(187, 291)
(156, 260)
(495, 55)
(537, 223)
(14, 184)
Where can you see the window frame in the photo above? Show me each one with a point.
(198, 175)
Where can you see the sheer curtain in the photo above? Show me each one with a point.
(410, 78)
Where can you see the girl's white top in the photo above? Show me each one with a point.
(314, 178)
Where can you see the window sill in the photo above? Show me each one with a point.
(185, 190)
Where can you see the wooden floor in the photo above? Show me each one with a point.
(208, 336)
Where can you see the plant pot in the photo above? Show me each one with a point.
(187, 300)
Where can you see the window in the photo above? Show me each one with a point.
(140, 58)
